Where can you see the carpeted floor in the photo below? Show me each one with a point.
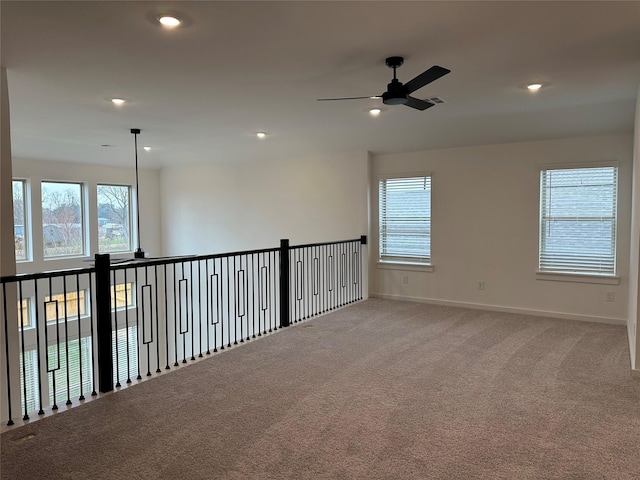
(377, 390)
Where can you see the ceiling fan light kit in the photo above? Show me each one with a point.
(400, 94)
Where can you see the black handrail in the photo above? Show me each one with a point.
(21, 277)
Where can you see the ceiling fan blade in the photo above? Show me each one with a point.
(418, 104)
(345, 98)
(426, 77)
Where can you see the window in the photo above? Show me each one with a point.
(122, 295)
(24, 318)
(29, 381)
(71, 365)
(114, 225)
(20, 219)
(578, 220)
(405, 219)
(62, 219)
(74, 375)
(124, 345)
(73, 304)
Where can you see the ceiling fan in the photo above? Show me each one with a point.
(400, 94)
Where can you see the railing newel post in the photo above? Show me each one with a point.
(285, 282)
(103, 321)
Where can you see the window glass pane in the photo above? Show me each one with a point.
(578, 215)
(405, 219)
(56, 306)
(24, 318)
(29, 382)
(19, 219)
(69, 383)
(62, 225)
(74, 356)
(113, 218)
(122, 295)
(125, 354)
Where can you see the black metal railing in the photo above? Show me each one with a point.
(47, 323)
(325, 276)
(72, 333)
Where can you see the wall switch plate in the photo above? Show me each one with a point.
(481, 285)
(611, 297)
(405, 279)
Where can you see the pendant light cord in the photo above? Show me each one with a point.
(139, 253)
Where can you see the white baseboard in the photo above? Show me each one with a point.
(498, 308)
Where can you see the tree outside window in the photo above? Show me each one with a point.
(62, 220)
(114, 232)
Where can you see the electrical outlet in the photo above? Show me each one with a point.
(405, 279)
(481, 285)
(611, 297)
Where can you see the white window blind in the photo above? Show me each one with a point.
(124, 345)
(68, 381)
(578, 212)
(29, 382)
(405, 219)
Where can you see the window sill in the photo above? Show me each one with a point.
(578, 278)
(405, 266)
(62, 258)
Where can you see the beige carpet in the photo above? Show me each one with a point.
(380, 389)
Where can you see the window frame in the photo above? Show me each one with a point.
(579, 276)
(408, 262)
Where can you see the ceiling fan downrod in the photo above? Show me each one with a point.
(396, 93)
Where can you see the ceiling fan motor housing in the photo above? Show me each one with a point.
(396, 93)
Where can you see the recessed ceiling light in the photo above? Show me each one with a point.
(534, 87)
(169, 21)
(117, 101)
(375, 112)
(147, 149)
(261, 134)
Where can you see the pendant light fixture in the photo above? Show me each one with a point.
(139, 253)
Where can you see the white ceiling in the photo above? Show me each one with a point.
(201, 92)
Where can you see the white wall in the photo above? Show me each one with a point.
(7, 247)
(90, 175)
(634, 284)
(485, 228)
(252, 205)
(7, 250)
